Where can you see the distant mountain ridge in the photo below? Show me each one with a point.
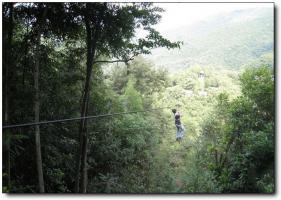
(229, 40)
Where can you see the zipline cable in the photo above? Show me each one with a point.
(77, 118)
(130, 128)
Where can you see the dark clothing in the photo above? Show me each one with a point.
(177, 119)
(180, 128)
(177, 122)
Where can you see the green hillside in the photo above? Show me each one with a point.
(228, 40)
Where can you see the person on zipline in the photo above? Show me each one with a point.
(179, 126)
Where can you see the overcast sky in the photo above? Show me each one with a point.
(178, 14)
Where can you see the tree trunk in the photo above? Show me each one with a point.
(93, 29)
(37, 103)
(36, 115)
(81, 166)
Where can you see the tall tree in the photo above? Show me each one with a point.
(44, 22)
(110, 32)
(39, 28)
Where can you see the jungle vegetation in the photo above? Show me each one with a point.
(66, 60)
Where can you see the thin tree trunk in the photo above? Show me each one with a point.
(84, 181)
(93, 32)
(90, 62)
(36, 116)
(81, 166)
(40, 24)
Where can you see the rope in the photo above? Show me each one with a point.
(76, 118)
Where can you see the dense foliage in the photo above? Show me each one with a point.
(228, 114)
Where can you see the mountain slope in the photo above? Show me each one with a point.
(228, 40)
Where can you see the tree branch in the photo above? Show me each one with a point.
(114, 61)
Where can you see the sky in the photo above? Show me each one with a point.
(179, 14)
